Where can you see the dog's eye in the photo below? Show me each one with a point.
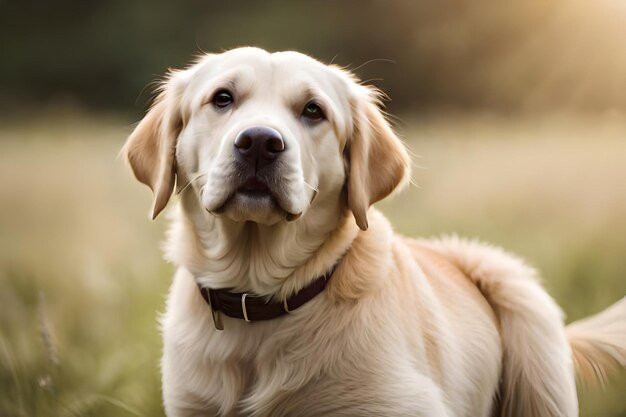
(222, 99)
(313, 112)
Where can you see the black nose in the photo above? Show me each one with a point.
(259, 145)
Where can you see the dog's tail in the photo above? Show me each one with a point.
(537, 370)
(599, 343)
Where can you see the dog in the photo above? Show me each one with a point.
(294, 297)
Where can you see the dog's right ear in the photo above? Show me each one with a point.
(151, 148)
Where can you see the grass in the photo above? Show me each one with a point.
(82, 280)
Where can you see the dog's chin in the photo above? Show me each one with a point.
(255, 206)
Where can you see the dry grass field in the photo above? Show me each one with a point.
(82, 280)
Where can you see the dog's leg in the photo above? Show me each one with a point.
(173, 410)
(206, 392)
(401, 394)
(192, 380)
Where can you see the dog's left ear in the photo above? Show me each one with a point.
(150, 150)
(379, 162)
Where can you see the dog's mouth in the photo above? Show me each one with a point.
(254, 199)
(255, 188)
(242, 194)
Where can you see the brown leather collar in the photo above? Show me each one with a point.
(250, 307)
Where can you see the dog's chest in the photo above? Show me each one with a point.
(251, 372)
(311, 368)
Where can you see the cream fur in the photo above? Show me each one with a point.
(406, 327)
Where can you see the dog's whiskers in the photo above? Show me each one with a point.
(310, 186)
(315, 191)
(189, 183)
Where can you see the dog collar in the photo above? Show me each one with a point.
(250, 307)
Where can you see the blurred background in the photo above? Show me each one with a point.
(515, 113)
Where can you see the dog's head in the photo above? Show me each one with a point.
(261, 136)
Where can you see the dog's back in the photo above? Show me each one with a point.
(540, 355)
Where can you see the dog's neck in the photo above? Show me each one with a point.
(273, 260)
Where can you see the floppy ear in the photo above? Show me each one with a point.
(378, 160)
(150, 149)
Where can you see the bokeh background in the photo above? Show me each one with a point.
(515, 113)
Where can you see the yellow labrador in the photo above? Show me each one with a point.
(294, 298)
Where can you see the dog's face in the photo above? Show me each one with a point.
(267, 131)
(262, 137)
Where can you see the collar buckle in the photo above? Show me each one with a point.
(243, 307)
